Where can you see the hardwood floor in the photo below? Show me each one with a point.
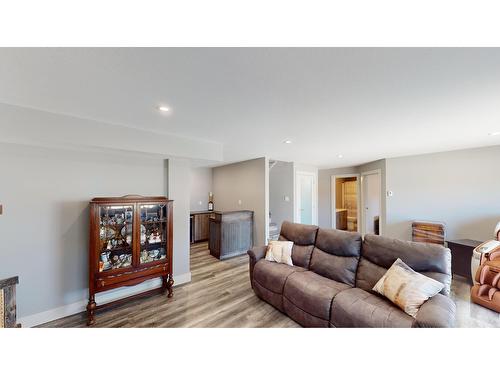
(220, 295)
(471, 315)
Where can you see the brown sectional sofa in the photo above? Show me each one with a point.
(330, 284)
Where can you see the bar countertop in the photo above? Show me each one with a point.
(218, 212)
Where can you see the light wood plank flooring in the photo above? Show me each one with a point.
(220, 295)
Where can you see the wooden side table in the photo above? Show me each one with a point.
(461, 254)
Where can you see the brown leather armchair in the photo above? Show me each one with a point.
(487, 292)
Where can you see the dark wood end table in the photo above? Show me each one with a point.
(461, 254)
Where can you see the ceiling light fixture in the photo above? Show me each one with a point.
(494, 133)
(287, 141)
(162, 108)
(340, 156)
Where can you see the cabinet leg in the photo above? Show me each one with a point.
(170, 285)
(91, 306)
(164, 284)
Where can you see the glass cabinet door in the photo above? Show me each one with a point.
(153, 232)
(116, 236)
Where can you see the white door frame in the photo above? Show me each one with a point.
(333, 212)
(363, 174)
(296, 194)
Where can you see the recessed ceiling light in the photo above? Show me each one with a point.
(162, 108)
(340, 156)
(287, 141)
(494, 133)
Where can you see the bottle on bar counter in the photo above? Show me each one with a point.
(210, 201)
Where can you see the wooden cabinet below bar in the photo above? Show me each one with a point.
(231, 233)
(200, 226)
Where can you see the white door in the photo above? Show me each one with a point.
(305, 202)
(371, 201)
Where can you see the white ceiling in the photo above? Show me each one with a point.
(366, 104)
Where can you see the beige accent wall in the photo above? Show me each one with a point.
(247, 182)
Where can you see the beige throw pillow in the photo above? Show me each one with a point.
(406, 288)
(280, 251)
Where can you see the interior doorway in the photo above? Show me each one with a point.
(345, 202)
(305, 198)
(371, 184)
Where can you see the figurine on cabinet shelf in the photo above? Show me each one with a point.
(106, 232)
(155, 236)
(120, 218)
(104, 263)
(125, 260)
(128, 215)
(144, 256)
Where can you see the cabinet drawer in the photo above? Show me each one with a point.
(130, 277)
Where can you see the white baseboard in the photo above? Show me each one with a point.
(104, 297)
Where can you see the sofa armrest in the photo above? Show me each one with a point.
(437, 312)
(257, 253)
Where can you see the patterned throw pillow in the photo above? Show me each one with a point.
(406, 288)
(280, 252)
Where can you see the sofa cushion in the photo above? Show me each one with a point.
(272, 275)
(379, 253)
(303, 318)
(356, 307)
(275, 299)
(336, 255)
(312, 293)
(303, 238)
(438, 312)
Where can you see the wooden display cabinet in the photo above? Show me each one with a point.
(130, 242)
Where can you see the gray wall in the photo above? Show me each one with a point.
(281, 185)
(245, 181)
(178, 181)
(460, 188)
(201, 185)
(44, 227)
